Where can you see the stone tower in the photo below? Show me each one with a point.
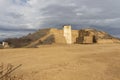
(67, 34)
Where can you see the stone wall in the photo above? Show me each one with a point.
(85, 37)
(74, 36)
(88, 40)
(58, 36)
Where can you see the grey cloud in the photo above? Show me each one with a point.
(11, 33)
(92, 12)
(34, 14)
(58, 10)
(14, 15)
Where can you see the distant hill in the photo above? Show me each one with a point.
(55, 36)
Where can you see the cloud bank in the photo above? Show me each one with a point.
(28, 15)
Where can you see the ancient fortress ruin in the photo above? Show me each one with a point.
(63, 36)
(69, 36)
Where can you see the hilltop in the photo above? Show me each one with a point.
(56, 36)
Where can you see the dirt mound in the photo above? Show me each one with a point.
(26, 40)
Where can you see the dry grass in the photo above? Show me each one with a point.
(66, 62)
(7, 72)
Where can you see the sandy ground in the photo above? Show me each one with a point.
(66, 62)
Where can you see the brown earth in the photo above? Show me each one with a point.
(66, 62)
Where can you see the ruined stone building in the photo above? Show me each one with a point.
(4, 45)
(69, 36)
(86, 37)
(62, 36)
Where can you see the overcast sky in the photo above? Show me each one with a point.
(19, 17)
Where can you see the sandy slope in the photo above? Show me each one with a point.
(66, 62)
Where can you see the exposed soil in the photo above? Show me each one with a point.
(66, 62)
